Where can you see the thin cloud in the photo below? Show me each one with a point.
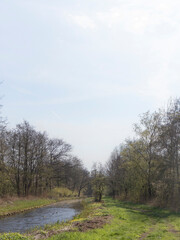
(23, 91)
(136, 18)
(83, 21)
(89, 53)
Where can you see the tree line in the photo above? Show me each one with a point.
(32, 163)
(142, 169)
(147, 167)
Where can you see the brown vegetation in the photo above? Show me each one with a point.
(33, 164)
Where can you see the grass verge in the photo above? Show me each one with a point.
(13, 206)
(111, 220)
(128, 222)
(23, 205)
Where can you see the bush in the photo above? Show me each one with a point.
(62, 192)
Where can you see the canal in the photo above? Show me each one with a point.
(39, 217)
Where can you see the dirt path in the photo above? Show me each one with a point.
(145, 235)
(170, 229)
(173, 230)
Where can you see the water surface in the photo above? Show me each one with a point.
(39, 217)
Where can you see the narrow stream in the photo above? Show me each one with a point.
(40, 217)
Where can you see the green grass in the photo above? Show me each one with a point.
(12, 236)
(57, 194)
(24, 204)
(129, 222)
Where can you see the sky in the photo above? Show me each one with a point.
(84, 70)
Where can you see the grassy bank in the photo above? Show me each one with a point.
(12, 207)
(129, 221)
(16, 205)
(113, 220)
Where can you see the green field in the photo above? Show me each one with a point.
(125, 221)
(130, 221)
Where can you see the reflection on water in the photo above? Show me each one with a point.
(39, 217)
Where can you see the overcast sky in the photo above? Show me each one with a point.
(84, 70)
